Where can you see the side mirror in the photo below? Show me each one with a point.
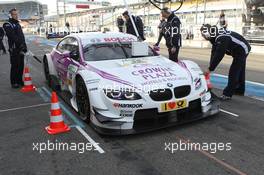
(66, 54)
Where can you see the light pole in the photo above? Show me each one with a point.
(64, 12)
(162, 5)
(204, 11)
(196, 15)
(58, 13)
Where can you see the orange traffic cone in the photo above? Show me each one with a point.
(208, 81)
(28, 86)
(57, 124)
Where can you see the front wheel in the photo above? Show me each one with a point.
(82, 100)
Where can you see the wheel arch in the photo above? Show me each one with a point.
(94, 96)
(52, 69)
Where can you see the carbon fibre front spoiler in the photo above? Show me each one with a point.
(214, 108)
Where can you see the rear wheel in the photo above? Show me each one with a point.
(51, 80)
(46, 71)
(82, 100)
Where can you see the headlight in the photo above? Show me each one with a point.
(122, 95)
(198, 83)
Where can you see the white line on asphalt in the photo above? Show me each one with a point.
(257, 98)
(25, 107)
(98, 148)
(230, 113)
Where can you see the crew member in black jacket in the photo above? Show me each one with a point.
(161, 30)
(172, 33)
(2, 34)
(17, 46)
(230, 43)
(139, 25)
(120, 23)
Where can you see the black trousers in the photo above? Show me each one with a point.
(237, 76)
(174, 56)
(17, 67)
(120, 28)
(2, 47)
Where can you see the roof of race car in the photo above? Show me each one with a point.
(100, 37)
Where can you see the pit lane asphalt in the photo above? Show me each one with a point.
(135, 154)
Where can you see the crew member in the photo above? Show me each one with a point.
(138, 23)
(17, 48)
(120, 23)
(160, 28)
(222, 20)
(2, 34)
(230, 43)
(172, 33)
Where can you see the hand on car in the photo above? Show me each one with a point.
(173, 50)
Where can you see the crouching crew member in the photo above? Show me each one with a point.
(230, 43)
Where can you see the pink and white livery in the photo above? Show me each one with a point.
(122, 86)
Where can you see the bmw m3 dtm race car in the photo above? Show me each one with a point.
(122, 86)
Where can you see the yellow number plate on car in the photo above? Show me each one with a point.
(172, 106)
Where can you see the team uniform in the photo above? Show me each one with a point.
(2, 34)
(172, 36)
(17, 45)
(231, 43)
(161, 29)
(139, 25)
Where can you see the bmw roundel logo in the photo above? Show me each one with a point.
(169, 85)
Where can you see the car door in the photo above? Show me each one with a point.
(74, 63)
(61, 62)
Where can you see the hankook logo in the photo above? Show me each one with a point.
(117, 105)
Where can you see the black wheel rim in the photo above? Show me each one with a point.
(82, 101)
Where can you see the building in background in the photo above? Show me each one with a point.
(31, 12)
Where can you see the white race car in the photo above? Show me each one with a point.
(122, 86)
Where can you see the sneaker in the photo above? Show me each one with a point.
(225, 98)
(15, 86)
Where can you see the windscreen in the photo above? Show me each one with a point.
(110, 51)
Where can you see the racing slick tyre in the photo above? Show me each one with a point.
(46, 71)
(51, 80)
(82, 100)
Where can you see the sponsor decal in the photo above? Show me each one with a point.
(127, 63)
(132, 106)
(72, 69)
(93, 89)
(124, 113)
(152, 73)
(69, 82)
(143, 65)
(163, 80)
(175, 105)
(92, 81)
(119, 39)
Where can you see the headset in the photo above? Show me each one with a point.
(155, 2)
